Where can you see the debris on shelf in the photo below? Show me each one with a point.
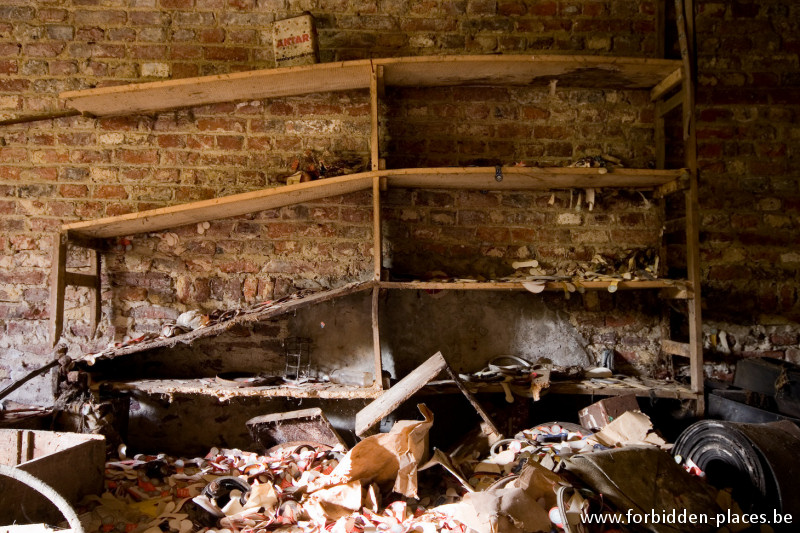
(597, 161)
(196, 321)
(313, 165)
(628, 265)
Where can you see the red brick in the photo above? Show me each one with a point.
(226, 54)
(111, 192)
(51, 14)
(44, 49)
(211, 35)
(73, 191)
(8, 67)
(176, 4)
(102, 17)
(546, 8)
(137, 157)
(221, 124)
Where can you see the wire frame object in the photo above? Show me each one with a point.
(297, 351)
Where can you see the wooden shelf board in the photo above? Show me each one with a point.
(209, 387)
(530, 178)
(243, 319)
(659, 389)
(514, 286)
(481, 178)
(224, 207)
(570, 71)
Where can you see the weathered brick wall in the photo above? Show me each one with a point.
(749, 141)
(80, 168)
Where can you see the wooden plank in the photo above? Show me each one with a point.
(496, 434)
(200, 387)
(528, 178)
(96, 293)
(376, 338)
(570, 70)
(58, 270)
(76, 279)
(482, 178)
(253, 85)
(227, 206)
(402, 391)
(675, 348)
(512, 286)
(667, 84)
(277, 309)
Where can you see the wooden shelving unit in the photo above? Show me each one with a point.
(661, 77)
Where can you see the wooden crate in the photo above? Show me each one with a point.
(71, 463)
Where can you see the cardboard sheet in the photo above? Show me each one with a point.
(631, 427)
(388, 457)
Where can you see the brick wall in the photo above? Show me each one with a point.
(80, 168)
(749, 143)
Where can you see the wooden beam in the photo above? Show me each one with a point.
(376, 228)
(667, 84)
(376, 338)
(58, 271)
(661, 26)
(95, 293)
(402, 391)
(376, 90)
(675, 348)
(224, 207)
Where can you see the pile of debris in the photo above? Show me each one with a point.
(537, 481)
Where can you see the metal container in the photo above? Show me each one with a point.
(295, 41)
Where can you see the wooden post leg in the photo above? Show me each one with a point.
(95, 294)
(376, 338)
(58, 271)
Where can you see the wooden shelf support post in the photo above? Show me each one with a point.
(376, 93)
(58, 275)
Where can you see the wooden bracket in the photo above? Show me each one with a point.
(60, 279)
(680, 184)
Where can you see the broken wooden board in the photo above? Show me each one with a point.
(402, 391)
(306, 425)
(407, 387)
